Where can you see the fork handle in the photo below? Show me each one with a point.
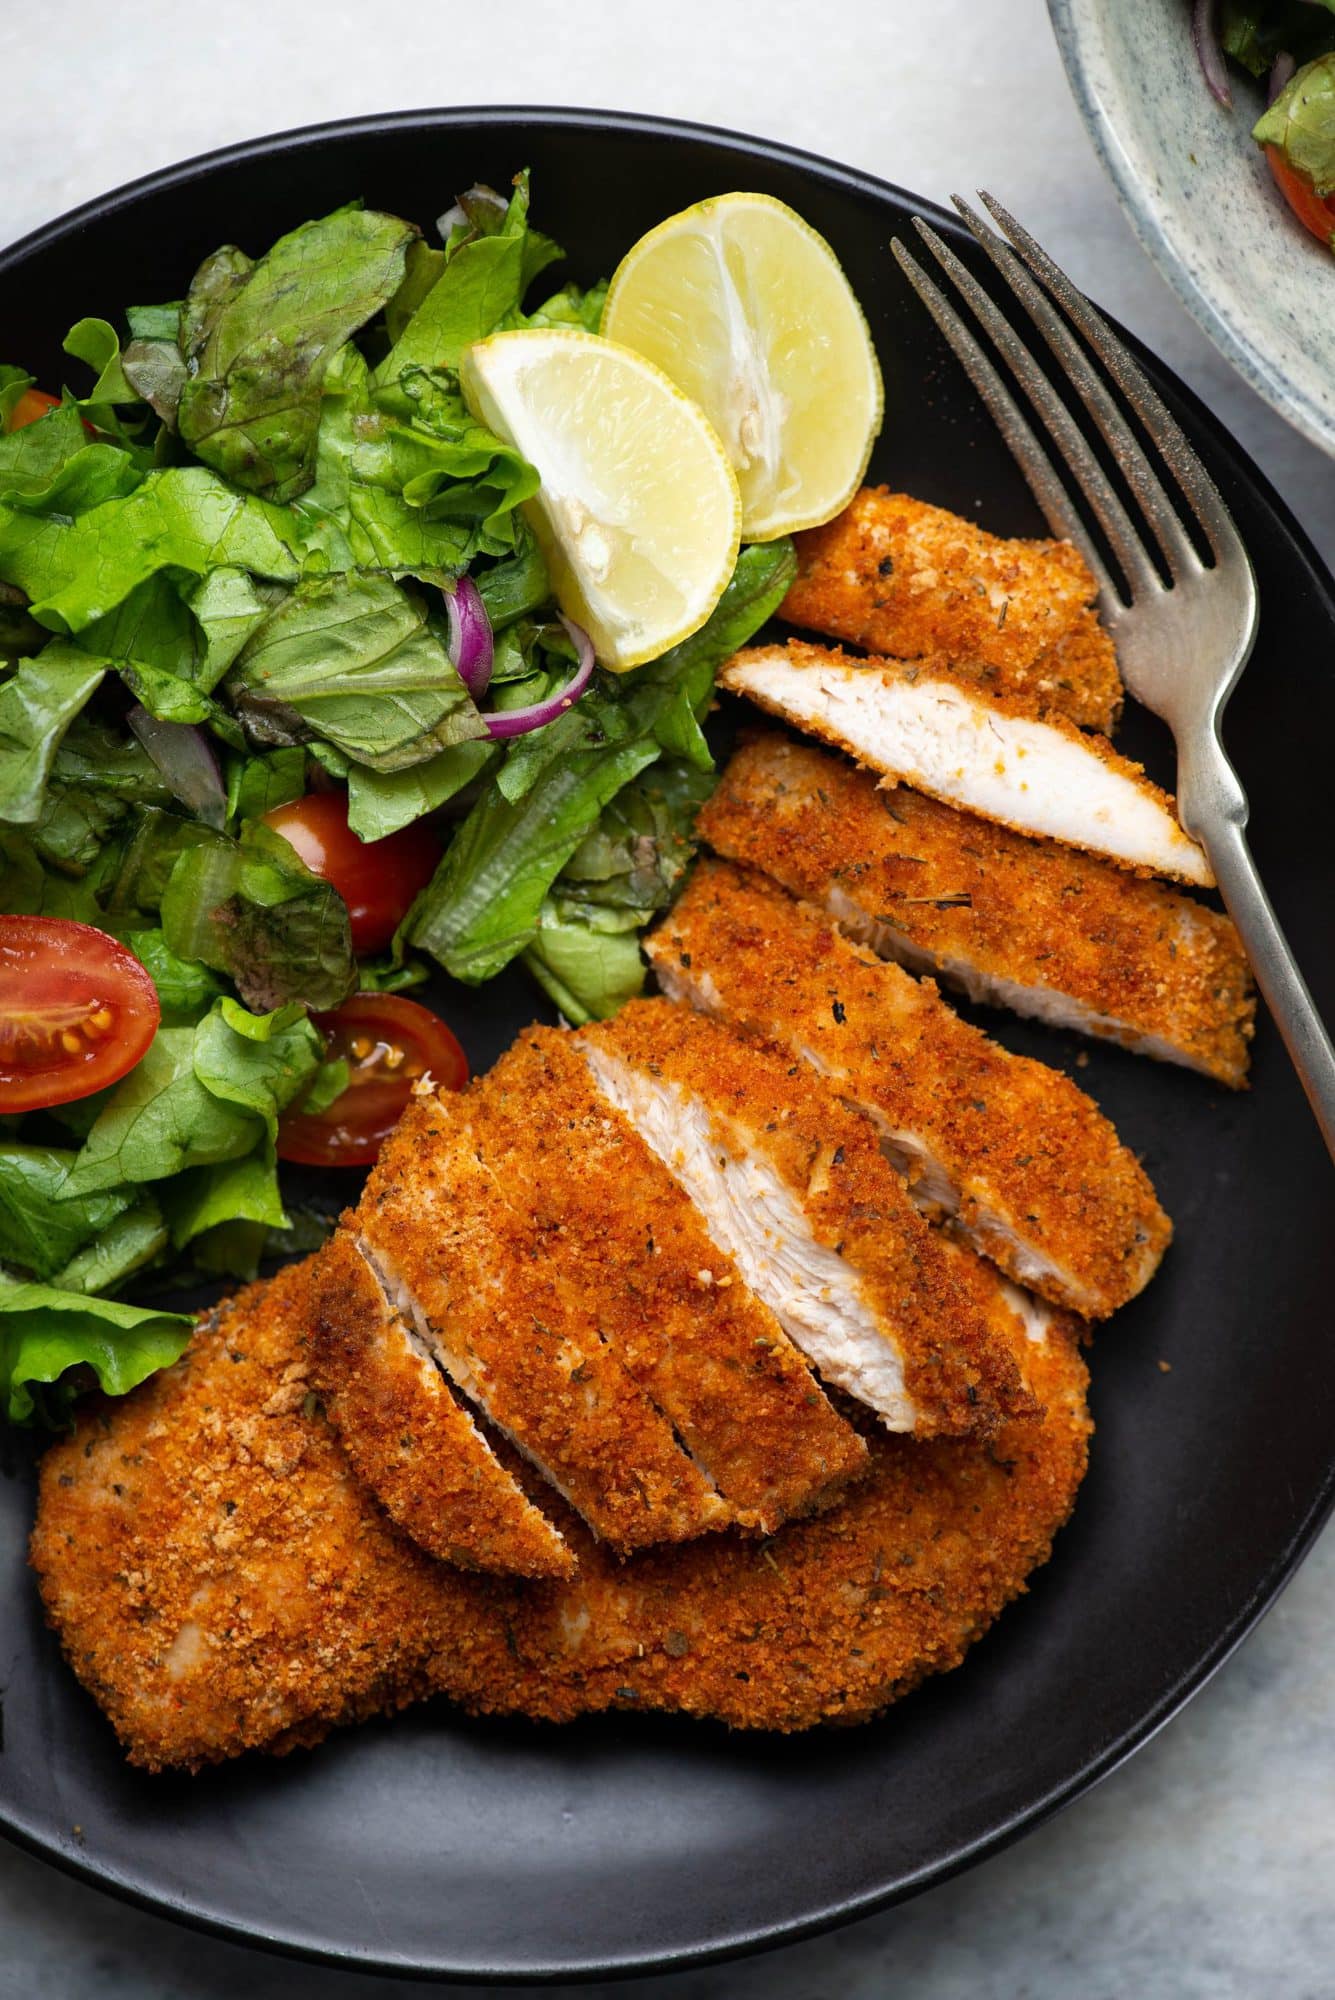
(1212, 795)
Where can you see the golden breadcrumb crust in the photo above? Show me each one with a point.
(1142, 963)
(439, 1223)
(670, 1306)
(936, 1301)
(1037, 1168)
(409, 1436)
(737, 676)
(898, 576)
(221, 1582)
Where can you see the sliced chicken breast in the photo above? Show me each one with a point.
(1048, 933)
(221, 1581)
(625, 1241)
(470, 1271)
(924, 725)
(793, 1186)
(408, 1432)
(897, 576)
(1027, 1166)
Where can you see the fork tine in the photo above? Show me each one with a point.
(1199, 489)
(1031, 457)
(1172, 538)
(1139, 571)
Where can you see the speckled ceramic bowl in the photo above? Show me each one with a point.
(1202, 202)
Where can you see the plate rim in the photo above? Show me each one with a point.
(1071, 21)
(292, 1943)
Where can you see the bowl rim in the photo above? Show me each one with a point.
(1151, 222)
(1266, 1591)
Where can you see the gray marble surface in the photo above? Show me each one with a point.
(1206, 1868)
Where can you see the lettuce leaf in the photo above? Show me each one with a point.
(40, 1232)
(357, 661)
(1301, 122)
(258, 338)
(252, 909)
(586, 952)
(76, 570)
(159, 1120)
(46, 1333)
(380, 802)
(588, 974)
(37, 705)
(480, 286)
(483, 905)
(407, 481)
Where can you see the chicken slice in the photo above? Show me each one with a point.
(1027, 1165)
(467, 1266)
(794, 1188)
(898, 576)
(925, 725)
(409, 1435)
(220, 1580)
(741, 1398)
(1055, 935)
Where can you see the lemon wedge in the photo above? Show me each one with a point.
(638, 513)
(747, 309)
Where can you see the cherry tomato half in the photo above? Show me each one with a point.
(377, 879)
(388, 1043)
(77, 1010)
(1314, 211)
(31, 405)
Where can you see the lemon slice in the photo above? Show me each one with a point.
(747, 309)
(638, 513)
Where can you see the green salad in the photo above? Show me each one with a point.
(266, 563)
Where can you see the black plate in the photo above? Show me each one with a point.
(437, 1845)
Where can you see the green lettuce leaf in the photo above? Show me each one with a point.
(357, 661)
(1301, 122)
(45, 1334)
(40, 1232)
(258, 1062)
(209, 1198)
(37, 705)
(588, 974)
(258, 338)
(407, 481)
(380, 802)
(483, 905)
(75, 571)
(480, 286)
(252, 909)
(159, 1120)
(130, 1243)
(1255, 32)
(186, 989)
(258, 783)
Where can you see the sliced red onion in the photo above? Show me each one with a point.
(471, 648)
(519, 721)
(183, 756)
(1209, 52)
(1281, 73)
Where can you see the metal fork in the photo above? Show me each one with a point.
(1182, 644)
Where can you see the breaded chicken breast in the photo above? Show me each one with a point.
(468, 1268)
(1023, 924)
(623, 1236)
(794, 1188)
(897, 576)
(1025, 1164)
(408, 1431)
(926, 725)
(220, 1581)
